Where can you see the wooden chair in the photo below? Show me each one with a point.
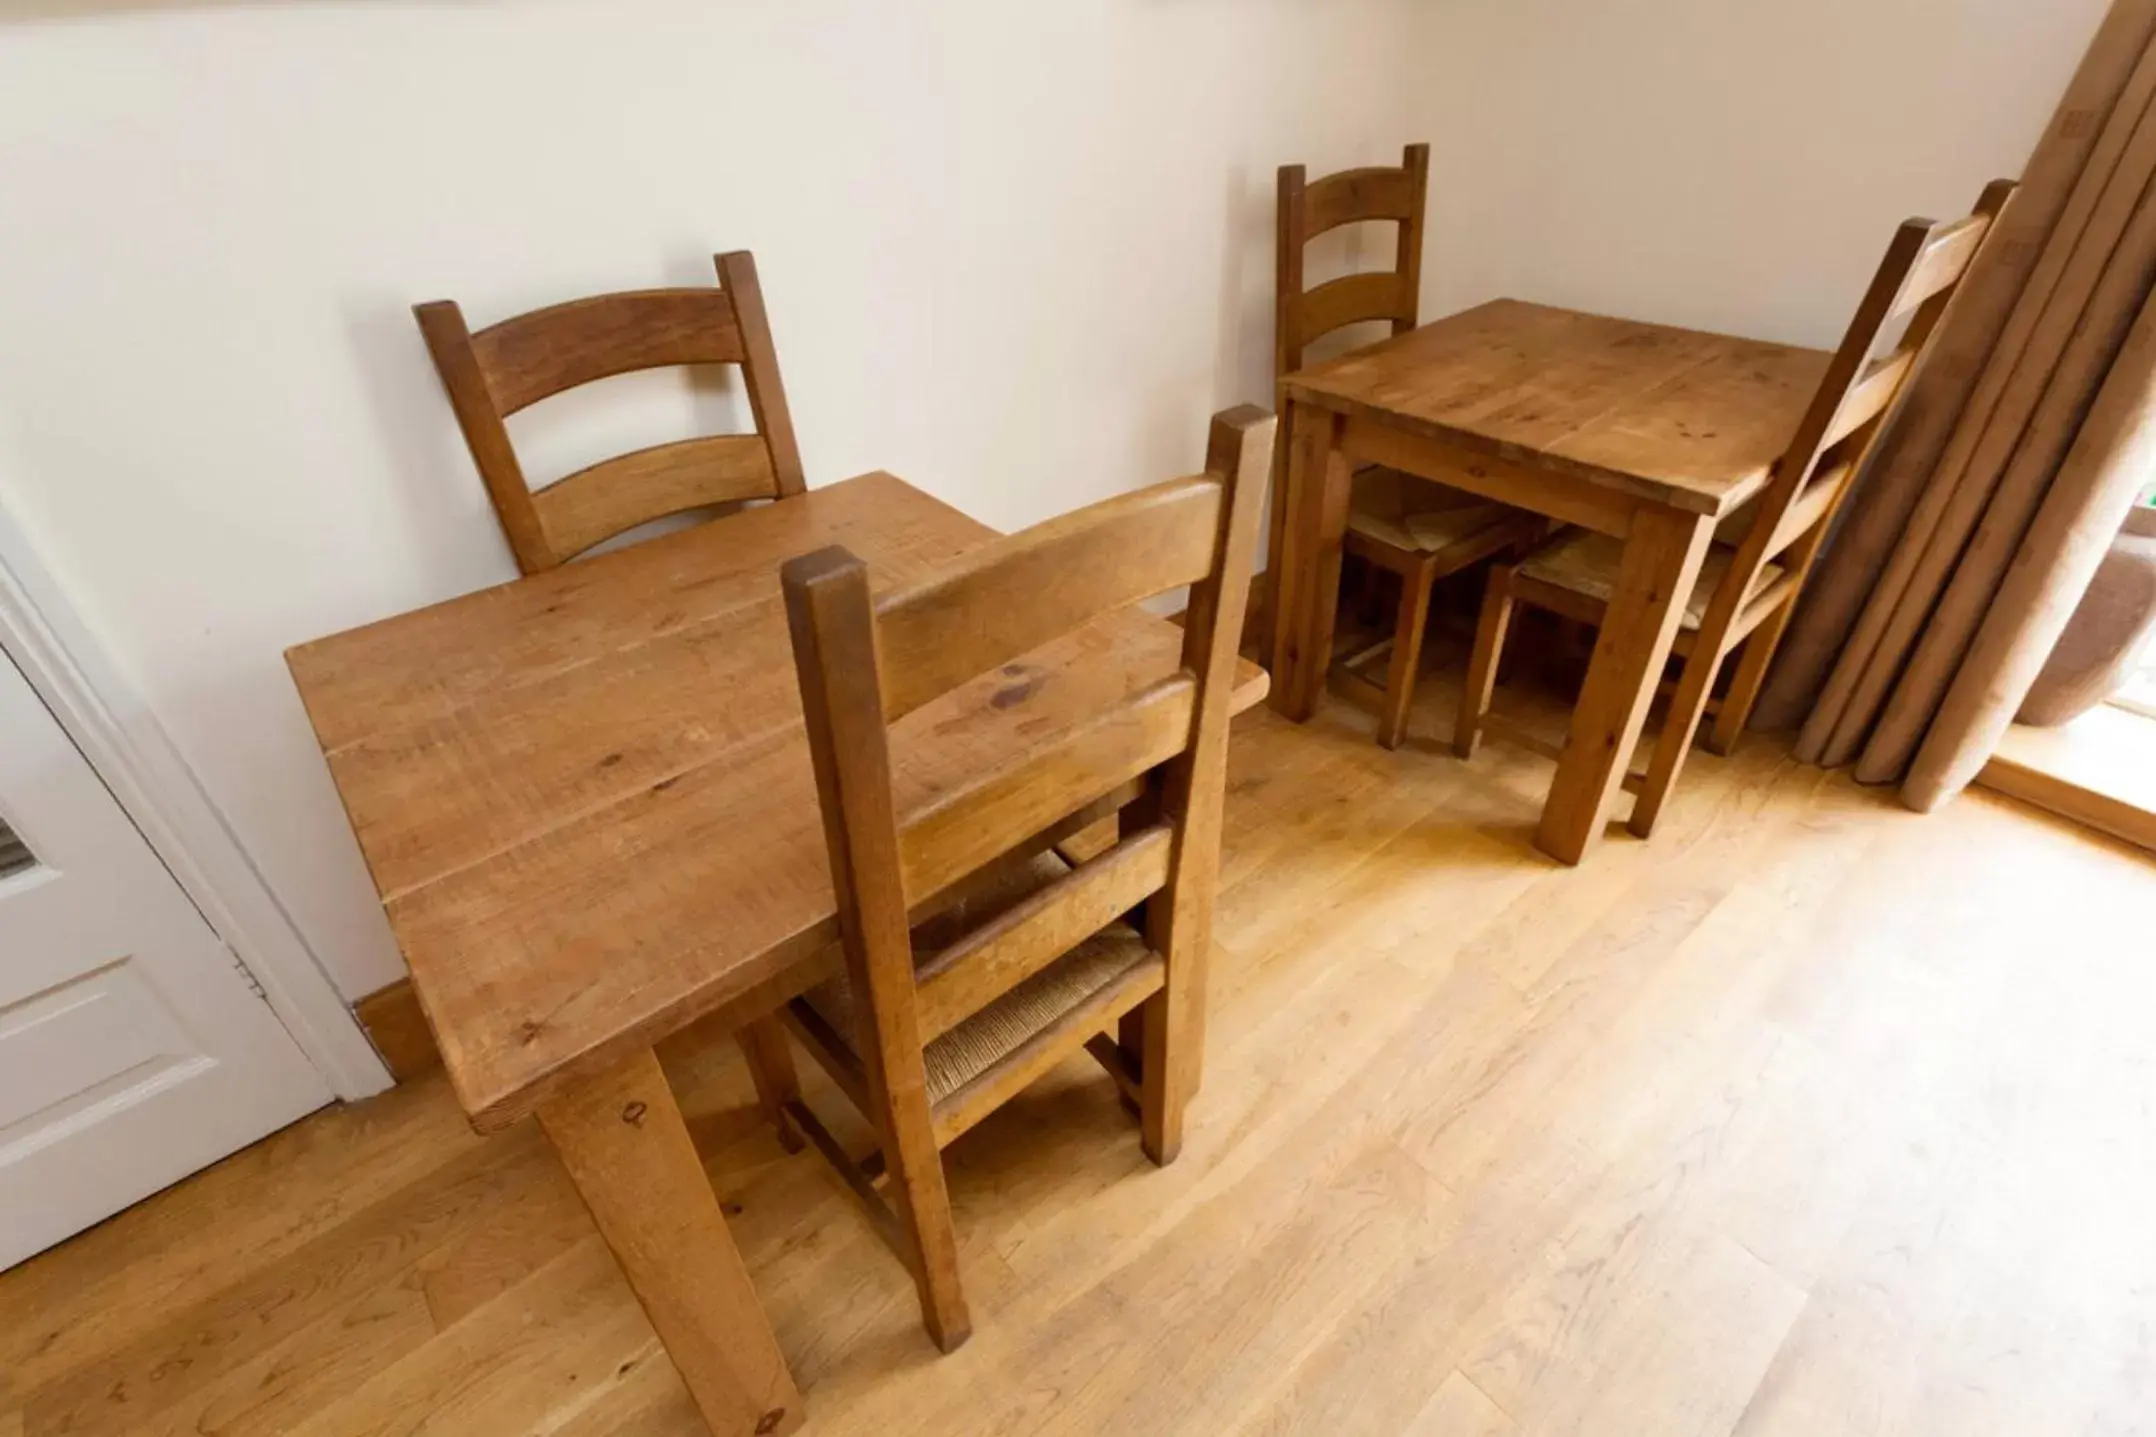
(1409, 526)
(1024, 957)
(518, 362)
(1756, 569)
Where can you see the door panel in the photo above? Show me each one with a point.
(76, 1044)
(133, 1048)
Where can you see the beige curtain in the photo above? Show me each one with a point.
(1975, 534)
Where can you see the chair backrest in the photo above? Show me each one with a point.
(520, 361)
(1860, 397)
(864, 664)
(1307, 210)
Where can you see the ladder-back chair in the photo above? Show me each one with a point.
(938, 1021)
(1749, 585)
(1413, 527)
(518, 362)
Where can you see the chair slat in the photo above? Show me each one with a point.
(1000, 954)
(1812, 506)
(1854, 384)
(519, 361)
(966, 829)
(1353, 196)
(1307, 209)
(535, 355)
(1946, 258)
(1012, 596)
(1769, 598)
(1354, 299)
(615, 495)
(1870, 396)
(1101, 810)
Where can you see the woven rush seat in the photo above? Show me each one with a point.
(1031, 1007)
(1419, 514)
(1586, 563)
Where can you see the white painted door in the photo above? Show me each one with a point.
(133, 1047)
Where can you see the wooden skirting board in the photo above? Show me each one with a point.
(399, 1030)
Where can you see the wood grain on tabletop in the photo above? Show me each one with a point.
(1676, 416)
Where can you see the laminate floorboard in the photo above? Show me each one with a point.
(1810, 1118)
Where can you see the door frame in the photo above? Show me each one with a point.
(129, 749)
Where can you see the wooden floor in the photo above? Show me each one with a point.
(1810, 1118)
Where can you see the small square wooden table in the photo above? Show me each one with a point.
(587, 804)
(1647, 433)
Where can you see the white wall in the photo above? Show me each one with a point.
(1736, 165)
(1013, 251)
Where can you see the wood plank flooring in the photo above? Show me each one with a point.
(1810, 1118)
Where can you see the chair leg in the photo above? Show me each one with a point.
(1130, 1037)
(1750, 678)
(1179, 927)
(1482, 665)
(1408, 630)
(1369, 593)
(923, 1207)
(771, 1068)
(1685, 709)
(1163, 1078)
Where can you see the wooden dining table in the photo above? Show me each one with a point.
(586, 801)
(1650, 434)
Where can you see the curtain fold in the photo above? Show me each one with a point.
(2084, 510)
(1960, 550)
(1884, 505)
(2046, 436)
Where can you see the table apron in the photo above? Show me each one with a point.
(1523, 485)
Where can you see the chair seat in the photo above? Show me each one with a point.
(1032, 1007)
(1419, 515)
(1586, 563)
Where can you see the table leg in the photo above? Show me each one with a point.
(1661, 562)
(1309, 586)
(622, 1139)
